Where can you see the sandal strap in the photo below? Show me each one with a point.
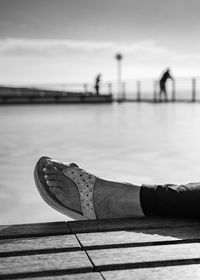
(85, 184)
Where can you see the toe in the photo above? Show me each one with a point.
(54, 183)
(54, 163)
(50, 170)
(53, 177)
(59, 165)
(44, 161)
(41, 163)
(73, 165)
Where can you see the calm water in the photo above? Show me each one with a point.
(140, 143)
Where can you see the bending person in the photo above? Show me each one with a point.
(81, 195)
(166, 75)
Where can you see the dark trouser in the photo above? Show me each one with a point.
(171, 200)
(163, 90)
(97, 90)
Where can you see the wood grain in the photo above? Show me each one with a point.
(122, 258)
(137, 248)
(45, 264)
(183, 272)
(128, 224)
(139, 237)
(26, 230)
(38, 244)
(79, 276)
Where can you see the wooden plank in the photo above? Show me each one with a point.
(27, 230)
(79, 276)
(147, 256)
(143, 237)
(44, 265)
(128, 223)
(34, 245)
(183, 272)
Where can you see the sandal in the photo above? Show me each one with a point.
(84, 182)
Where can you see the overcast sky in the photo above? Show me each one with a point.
(46, 41)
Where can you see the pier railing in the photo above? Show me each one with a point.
(179, 89)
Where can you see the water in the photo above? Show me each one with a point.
(138, 143)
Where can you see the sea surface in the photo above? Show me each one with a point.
(131, 142)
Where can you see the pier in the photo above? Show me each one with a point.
(178, 90)
(29, 95)
(132, 248)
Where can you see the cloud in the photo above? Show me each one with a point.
(39, 47)
(143, 52)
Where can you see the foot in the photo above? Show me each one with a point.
(111, 199)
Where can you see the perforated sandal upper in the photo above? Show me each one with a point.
(85, 184)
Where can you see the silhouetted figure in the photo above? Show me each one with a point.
(166, 75)
(97, 82)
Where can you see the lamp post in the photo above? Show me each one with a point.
(119, 73)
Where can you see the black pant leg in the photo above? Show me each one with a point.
(171, 200)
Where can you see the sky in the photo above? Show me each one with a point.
(70, 41)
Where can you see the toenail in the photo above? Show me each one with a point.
(44, 169)
(48, 183)
(45, 176)
(49, 162)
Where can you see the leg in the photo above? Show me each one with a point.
(165, 94)
(119, 200)
(161, 91)
(171, 200)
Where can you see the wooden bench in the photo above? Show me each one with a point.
(137, 248)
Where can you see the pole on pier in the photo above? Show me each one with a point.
(63, 89)
(123, 91)
(193, 90)
(173, 91)
(109, 88)
(154, 91)
(138, 91)
(119, 73)
(85, 88)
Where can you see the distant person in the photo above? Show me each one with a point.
(166, 75)
(97, 82)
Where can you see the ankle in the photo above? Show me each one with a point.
(116, 200)
(102, 201)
